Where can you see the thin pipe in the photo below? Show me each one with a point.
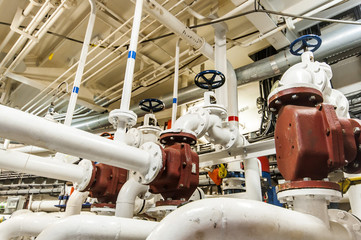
(175, 84)
(74, 205)
(81, 64)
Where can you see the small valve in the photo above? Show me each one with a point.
(209, 79)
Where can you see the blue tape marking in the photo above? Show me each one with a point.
(75, 89)
(174, 100)
(132, 54)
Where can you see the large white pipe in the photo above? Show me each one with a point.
(239, 218)
(126, 198)
(88, 227)
(81, 64)
(129, 71)
(29, 129)
(75, 203)
(26, 163)
(30, 224)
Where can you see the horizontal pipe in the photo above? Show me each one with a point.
(44, 206)
(39, 166)
(25, 128)
(239, 218)
(84, 227)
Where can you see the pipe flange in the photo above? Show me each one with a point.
(347, 220)
(150, 130)
(157, 161)
(330, 195)
(203, 115)
(294, 94)
(171, 137)
(135, 135)
(117, 115)
(88, 175)
(217, 110)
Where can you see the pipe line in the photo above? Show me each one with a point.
(126, 198)
(31, 164)
(30, 225)
(29, 129)
(91, 227)
(74, 205)
(231, 218)
(81, 64)
(175, 83)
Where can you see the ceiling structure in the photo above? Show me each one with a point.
(34, 77)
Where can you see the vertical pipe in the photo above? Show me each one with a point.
(220, 60)
(81, 65)
(175, 86)
(253, 179)
(129, 71)
(75, 203)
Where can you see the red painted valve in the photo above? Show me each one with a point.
(179, 177)
(311, 140)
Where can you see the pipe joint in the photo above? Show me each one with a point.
(87, 176)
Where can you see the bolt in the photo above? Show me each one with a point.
(181, 185)
(171, 138)
(294, 96)
(359, 147)
(356, 130)
(312, 98)
(184, 164)
(343, 131)
(329, 162)
(306, 179)
(278, 102)
(328, 132)
(356, 227)
(184, 139)
(341, 215)
(154, 168)
(326, 179)
(272, 109)
(356, 165)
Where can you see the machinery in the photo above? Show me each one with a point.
(295, 176)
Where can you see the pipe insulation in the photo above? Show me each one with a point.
(336, 39)
(89, 227)
(26, 128)
(239, 218)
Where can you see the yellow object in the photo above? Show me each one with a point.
(222, 171)
(346, 183)
(51, 56)
(2, 219)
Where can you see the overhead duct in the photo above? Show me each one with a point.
(336, 40)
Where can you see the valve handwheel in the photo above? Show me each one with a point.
(209, 79)
(306, 45)
(151, 105)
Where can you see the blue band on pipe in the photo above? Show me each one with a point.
(132, 54)
(75, 89)
(174, 100)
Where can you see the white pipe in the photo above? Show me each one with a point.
(235, 218)
(38, 35)
(175, 84)
(126, 198)
(75, 203)
(220, 60)
(87, 227)
(43, 205)
(26, 163)
(29, 129)
(129, 71)
(19, 21)
(238, 9)
(30, 149)
(29, 29)
(252, 179)
(81, 64)
(30, 224)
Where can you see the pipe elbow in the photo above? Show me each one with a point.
(196, 120)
